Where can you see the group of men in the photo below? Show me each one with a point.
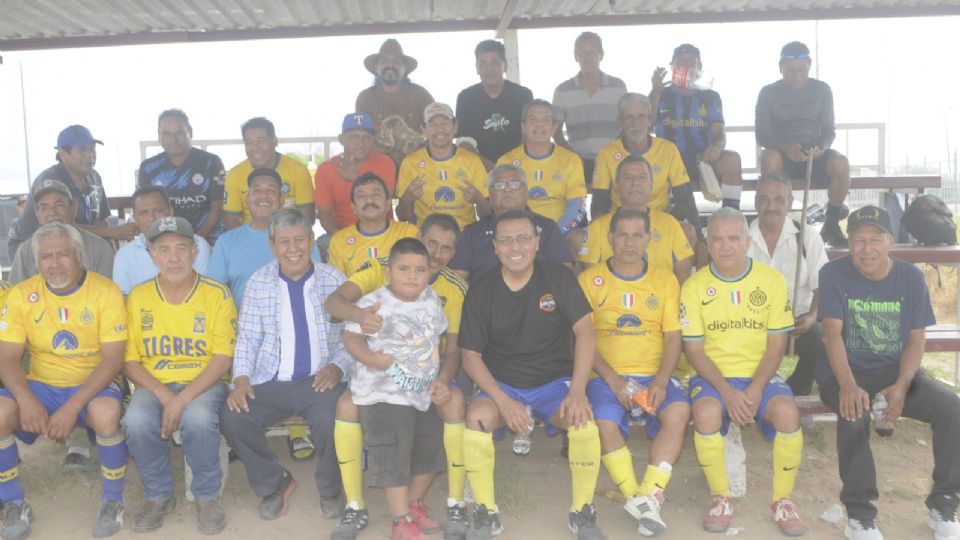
(488, 267)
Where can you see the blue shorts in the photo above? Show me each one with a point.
(606, 406)
(53, 397)
(700, 388)
(544, 400)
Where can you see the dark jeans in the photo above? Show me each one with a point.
(809, 348)
(928, 401)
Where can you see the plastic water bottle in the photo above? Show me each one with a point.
(880, 423)
(521, 443)
(632, 390)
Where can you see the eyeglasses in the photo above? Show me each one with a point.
(510, 240)
(504, 186)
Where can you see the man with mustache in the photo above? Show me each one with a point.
(392, 94)
(374, 233)
(774, 242)
(76, 157)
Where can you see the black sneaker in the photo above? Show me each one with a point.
(109, 519)
(17, 518)
(332, 507)
(353, 521)
(274, 505)
(486, 524)
(584, 524)
(457, 524)
(833, 236)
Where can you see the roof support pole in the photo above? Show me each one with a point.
(513, 55)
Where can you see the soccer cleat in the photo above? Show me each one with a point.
(944, 524)
(584, 523)
(109, 519)
(833, 236)
(787, 518)
(862, 529)
(17, 518)
(486, 524)
(457, 523)
(353, 521)
(646, 510)
(718, 517)
(420, 515)
(301, 449)
(406, 530)
(274, 505)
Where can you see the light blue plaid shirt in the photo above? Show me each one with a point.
(257, 354)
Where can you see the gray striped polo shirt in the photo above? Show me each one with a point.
(591, 119)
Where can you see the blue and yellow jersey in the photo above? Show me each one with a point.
(449, 286)
(296, 191)
(733, 316)
(667, 241)
(551, 180)
(664, 159)
(631, 315)
(351, 248)
(63, 332)
(441, 189)
(175, 342)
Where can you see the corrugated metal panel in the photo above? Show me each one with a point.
(40, 23)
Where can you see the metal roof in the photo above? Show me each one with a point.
(45, 24)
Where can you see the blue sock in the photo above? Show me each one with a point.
(112, 451)
(11, 490)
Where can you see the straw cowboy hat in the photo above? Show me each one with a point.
(390, 46)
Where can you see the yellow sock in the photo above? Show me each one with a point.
(655, 478)
(479, 458)
(787, 451)
(456, 472)
(714, 462)
(619, 466)
(584, 463)
(348, 441)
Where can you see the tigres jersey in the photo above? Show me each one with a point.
(664, 159)
(733, 316)
(449, 286)
(667, 241)
(64, 333)
(350, 248)
(296, 191)
(631, 315)
(551, 181)
(175, 342)
(441, 191)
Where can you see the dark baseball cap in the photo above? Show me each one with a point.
(794, 51)
(686, 48)
(75, 135)
(257, 173)
(170, 224)
(869, 215)
(357, 120)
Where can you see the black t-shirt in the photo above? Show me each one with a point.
(525, 336)
(494, 123)
(191, 187)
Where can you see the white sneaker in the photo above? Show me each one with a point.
(862, 530)
(646, 510)
(945, 527)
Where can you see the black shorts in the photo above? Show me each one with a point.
(401, 442)
(797, 170)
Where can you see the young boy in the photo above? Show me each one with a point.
(393, 383)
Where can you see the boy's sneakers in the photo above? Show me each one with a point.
(486, 524)
(584, 523)
(17, 518)
(406, 529)
(420, 515)
(865, 529)
(274, 505)
(944, 524)
(787, 518)
(718, 517)
(109, 519)
(353, 521)
(646, 510)
(457, 523)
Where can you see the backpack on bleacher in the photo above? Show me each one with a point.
(929, 221)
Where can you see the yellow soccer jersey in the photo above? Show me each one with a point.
(441, 191)
(664, 159)
(350, 248)
(175, 342)
(551, 181)
(449, 286)
(733, 317)
(667, 241)
(63, 333)
(631, 316)
(297, 189)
